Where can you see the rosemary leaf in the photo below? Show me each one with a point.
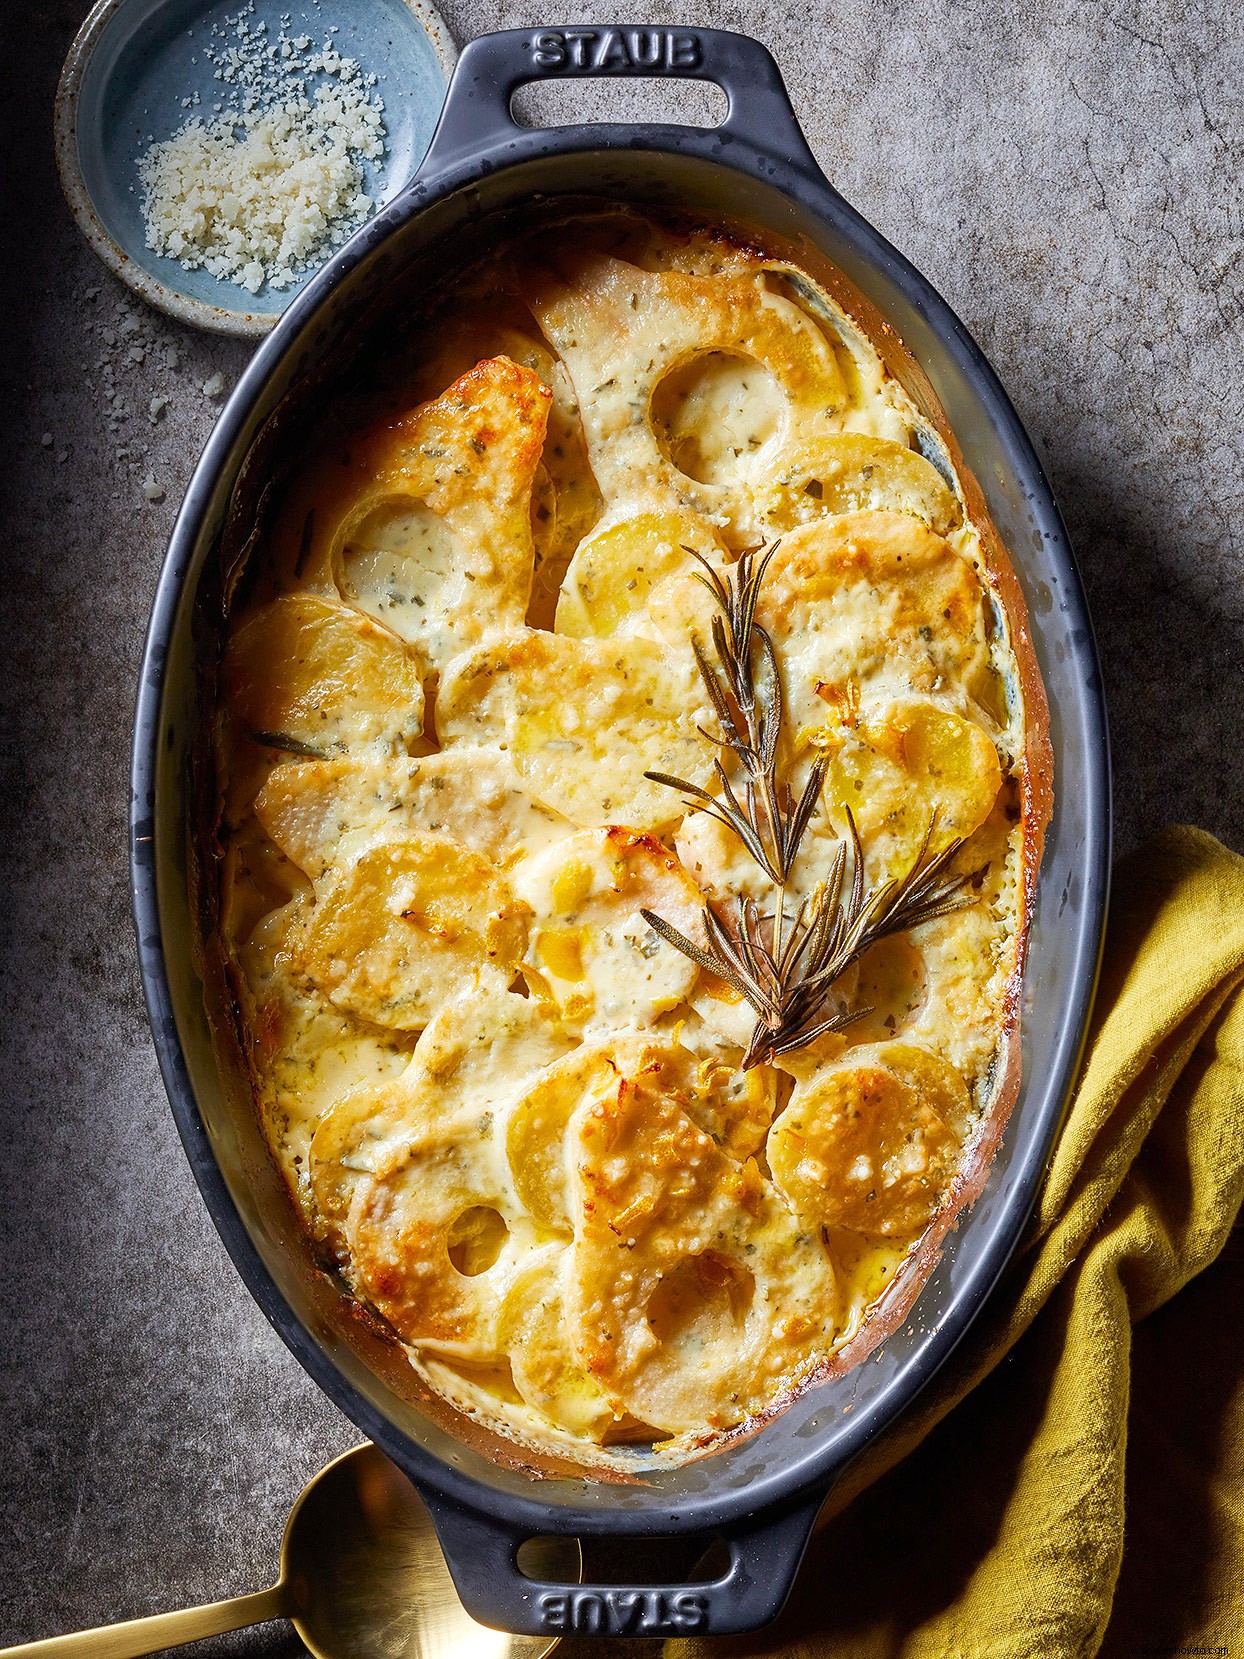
(287, 744)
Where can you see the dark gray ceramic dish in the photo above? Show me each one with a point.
(762, 1494)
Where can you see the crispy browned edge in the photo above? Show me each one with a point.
(342, 1313)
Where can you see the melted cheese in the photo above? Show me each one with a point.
(440, 544)
(408, 923)
(307, 674)
(582, 721)
(591, 954)
(513, 1115)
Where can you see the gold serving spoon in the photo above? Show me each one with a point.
(362, 1577)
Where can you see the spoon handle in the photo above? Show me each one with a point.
(138, 1636)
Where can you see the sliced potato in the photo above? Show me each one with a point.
(359, 1130)
(316, 676)
(434, 516)
(321, 812)
(305, 1055)
(431, 1228)
(970, 956)
(565, 499)
(916, 766)
(590, 952)
(852, 472)
(479, 1052)
(700, 1069)
(872, 1142)
(533, 1333)
(257, 878)
(716, 857)
(693, 1294)
(409, 923)
(615, 571)
(872, 605)
(622, 331)
(536, 1129)
(582, 721)
(430, 1244)
(891, 981)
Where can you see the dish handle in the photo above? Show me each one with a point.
(765, 1551)
(477, 116)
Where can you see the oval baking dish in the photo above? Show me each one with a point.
(760, 1494)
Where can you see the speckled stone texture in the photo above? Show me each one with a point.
(1066, 174)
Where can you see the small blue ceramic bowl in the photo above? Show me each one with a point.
(126, 81)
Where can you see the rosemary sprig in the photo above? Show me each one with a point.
(768, 820)
(287, 744)
(785, 967)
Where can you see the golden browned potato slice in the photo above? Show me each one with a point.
(873, 1142)
(565, 500)
(915, 766)
(570, 503)
(687, 383)
(590, 952)
(430, 1226)
(872, 604)
(315, 676)
(357, 1131)
(323, 812)
(409, 923)
(536, 1129)
(430, 1244)
(853, 472)
(899, 771)
(533, 1333)
(701, 1071)
(480, 1051)
(434, 517)
(304, 1054)
(693, 1294)
(615, 571)
(734, 1108)
(582, 721)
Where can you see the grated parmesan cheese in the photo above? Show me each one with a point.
(266, 189)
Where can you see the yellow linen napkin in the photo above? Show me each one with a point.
(993, 1526)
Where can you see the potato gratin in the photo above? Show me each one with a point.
(515, 1117)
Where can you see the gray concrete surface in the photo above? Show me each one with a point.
(1067, 174)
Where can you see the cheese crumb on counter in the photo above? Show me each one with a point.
(266, 189)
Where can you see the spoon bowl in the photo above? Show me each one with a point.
(367, 1578)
